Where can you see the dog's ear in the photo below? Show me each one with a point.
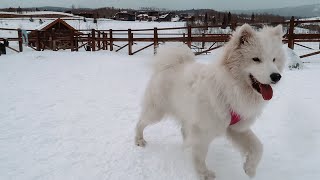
(277, 31)
(245, 33)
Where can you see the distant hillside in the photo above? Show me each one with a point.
(299, 11)
(51, 8)
(209, 15)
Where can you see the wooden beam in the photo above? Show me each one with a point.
(142, 48)
(198, 53)
(93, 40)
(104, 41)
(20, 40)
(111, 40)
(130, 41)
(203, 42)
(304, 46)
(98, 40)
(122, 47)
(291, 34)
(306, 36)
(82, 45)
(13, 49)
(189, 40)
(310, 54)
(155, 40)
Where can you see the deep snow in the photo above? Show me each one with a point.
(72, 116)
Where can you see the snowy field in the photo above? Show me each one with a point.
(78, 23)
(71, 116)
(37, 13)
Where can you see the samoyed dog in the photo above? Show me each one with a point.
(222, 98)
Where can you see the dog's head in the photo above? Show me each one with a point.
(256, 58)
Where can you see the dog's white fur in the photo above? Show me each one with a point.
(201, 96)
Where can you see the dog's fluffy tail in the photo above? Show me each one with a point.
(171, 57)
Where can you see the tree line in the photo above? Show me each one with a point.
(206, 16)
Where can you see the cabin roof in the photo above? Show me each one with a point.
(48, 25)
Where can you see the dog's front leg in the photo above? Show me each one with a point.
(199, 154)
(250, 146)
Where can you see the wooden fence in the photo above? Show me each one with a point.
(96, 40)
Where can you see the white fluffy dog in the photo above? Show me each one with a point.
(224, 97)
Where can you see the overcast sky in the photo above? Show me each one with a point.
(170, 4)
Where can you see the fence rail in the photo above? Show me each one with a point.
(106, 39)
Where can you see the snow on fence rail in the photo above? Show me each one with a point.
(96, 40)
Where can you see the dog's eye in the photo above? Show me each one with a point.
(256, 59)
(274, 59)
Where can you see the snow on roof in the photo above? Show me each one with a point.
(142, 15)
(164, 16)
(44, 24)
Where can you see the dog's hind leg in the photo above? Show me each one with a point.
(250, 146)
(149, 115)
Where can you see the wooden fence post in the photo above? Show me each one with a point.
(89, 42)
(203, 42)
(111, 40)
(93, 41)
(184, 38)
(130, 41)
(155, 39)
(189, 36)
(103, 41)
(38, 40)
(291, 34)
(20, 40)
(99, 36)
(106, 41)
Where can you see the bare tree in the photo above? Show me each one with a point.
(224, 22)
(19, 10)
(206, 18)
(214, 21)
(252, 18)
(229, 18)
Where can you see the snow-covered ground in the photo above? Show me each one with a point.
(71, 116)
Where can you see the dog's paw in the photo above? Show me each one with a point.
(139, 141)
(249, 169)
(207, 175)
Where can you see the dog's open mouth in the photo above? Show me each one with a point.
(264, 89)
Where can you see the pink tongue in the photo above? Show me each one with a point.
(266, 91)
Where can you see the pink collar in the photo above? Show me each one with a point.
(235, 118)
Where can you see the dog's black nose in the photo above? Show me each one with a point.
(275, 77)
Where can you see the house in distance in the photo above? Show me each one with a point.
(124, 16)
